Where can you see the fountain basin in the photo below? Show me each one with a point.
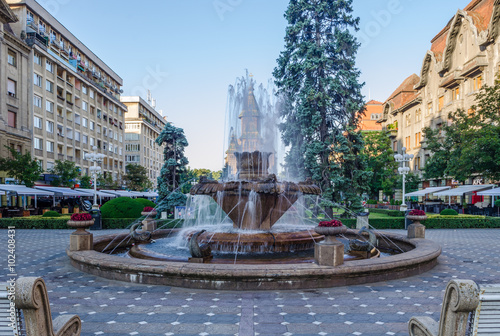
(420, 256)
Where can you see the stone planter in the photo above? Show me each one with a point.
(416, 229)
(149, 223)
(80, 240)
(329, 252)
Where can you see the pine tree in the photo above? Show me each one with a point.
(316, 71)
(174, 170)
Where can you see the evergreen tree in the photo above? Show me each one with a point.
(22, 167)
(136, 178)
(317, 73)
(174, 170)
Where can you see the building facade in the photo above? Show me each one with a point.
(143, 125)
(76, 96)
(463, 57)
(372, 114)
(15, 73)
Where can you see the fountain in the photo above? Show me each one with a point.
(259, 249)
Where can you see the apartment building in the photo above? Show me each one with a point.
(463, 56)
(143, 124)
(76, 96)
(15, 71)
(372, 114)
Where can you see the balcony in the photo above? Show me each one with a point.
(69, 104)
(38, 131)
(60, 157)
(60, 100)
(60, 118)
(50, 155)
(38, 39)
(78, 160)
(38, 152)
(50, 135)
(69, 158)
(60, 138)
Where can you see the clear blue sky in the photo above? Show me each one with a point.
(196, 48)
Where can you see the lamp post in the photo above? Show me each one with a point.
(94, 170)
(403, 158)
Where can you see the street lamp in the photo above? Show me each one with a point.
(403, 158)
(95, 170)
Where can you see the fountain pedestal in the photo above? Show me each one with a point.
(81, 240)
(149, 224)
(416, 229)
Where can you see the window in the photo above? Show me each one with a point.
(477, 83)
(49, 126)
(92, 125)
(429, 109)
(37, 122)
(50, 146)
(85, 106)
(37, 143)
(37, 80)
(98, 113)
(77, 136)
(49, 106)
(418, 115)
(104, 131)
(441, 103)
(416, 163)
(69, 133)
(110, 133)
(132, 136)
(77, 119)
(85, 122)
(418, 138)
(121, 138)
(455, 93)
(104, 145)
(91, 141)
(407, 142)
(12, 119)
(49, 66)
(60, 130)
(37, 58)
(91, 94)
(84, 89)
(11, 87)
(98, 129)
(133, 147)
(50, 165)
(116, 136)
(49, 86)
(12, 57)
(85, 138)
(37, 101)
(408, 120)
(111, 147)
(69, 97)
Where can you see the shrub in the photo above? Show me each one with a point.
(370, 201)
(449, 212)
(51, 214)
(145, 202)
(497, 203)
(395, 213)
(122, 207)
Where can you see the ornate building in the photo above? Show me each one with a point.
(15, 88)
(463, 57)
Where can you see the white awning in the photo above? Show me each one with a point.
(466, 189)
(490, 192)
(23, 190)
(121, 193)
(65, 192)
(146, 193)
(426, 191)
(99, 193)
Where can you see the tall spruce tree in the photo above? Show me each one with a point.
(317, 73)
(174, 170)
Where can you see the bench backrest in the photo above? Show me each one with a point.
(487, 314)
(7, 328)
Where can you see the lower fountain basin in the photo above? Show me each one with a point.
(419, 255)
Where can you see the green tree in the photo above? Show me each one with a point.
(316, 73)
(107, 182)
(86, 182)
(174, 171)
(380, 161)
(469, 144)
(22, 167)
(136, 178)
(65, 173)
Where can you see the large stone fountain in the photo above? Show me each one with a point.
(257, 200)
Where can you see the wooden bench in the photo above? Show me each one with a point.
(468, 310)
(31, 306)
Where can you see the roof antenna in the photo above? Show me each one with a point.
(149, 97)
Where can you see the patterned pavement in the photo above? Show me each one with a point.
(116, 308)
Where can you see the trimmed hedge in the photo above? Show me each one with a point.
(448, 212)
(392, 213)
(146, 202)
(51, 214)
(433, 223)
(122, 207)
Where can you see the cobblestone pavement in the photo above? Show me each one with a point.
(116, 308)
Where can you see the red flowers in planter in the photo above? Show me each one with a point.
(332, 223)
(416, 212)
(148, 209)
(81, 217)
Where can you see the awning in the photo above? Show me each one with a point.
(466, 189)
(145, 193)
(64, 192)
(426, 191)
(121, 193)
(99, 193)
(23, 190)
(490, 192)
